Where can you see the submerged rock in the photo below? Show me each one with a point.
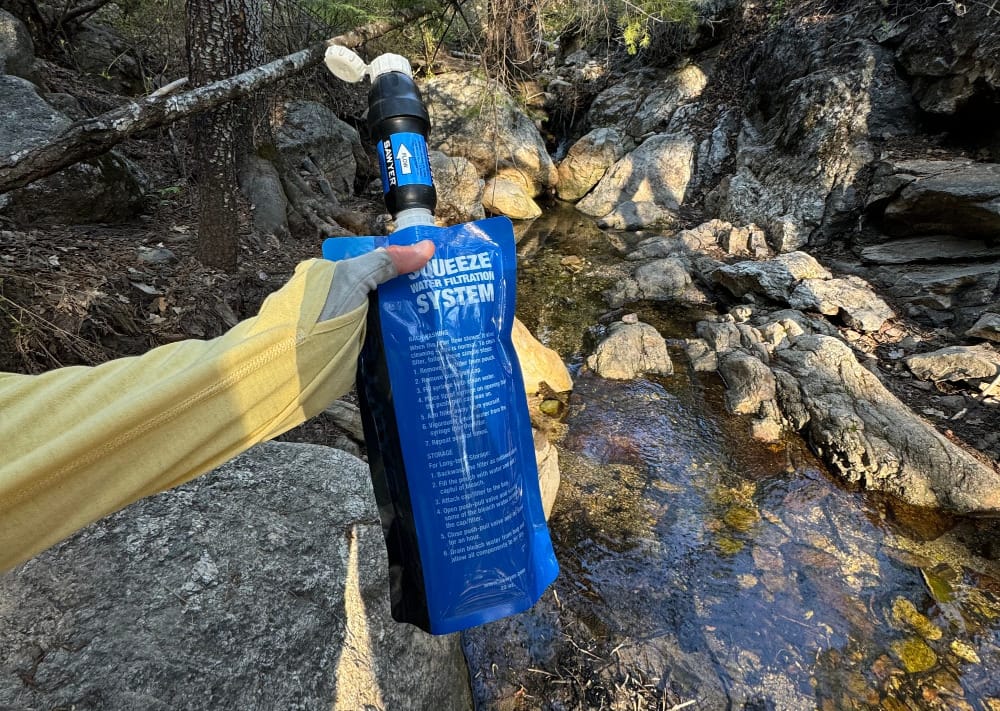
(629, 350)
(261, 585)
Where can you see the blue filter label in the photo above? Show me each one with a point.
(403, 161)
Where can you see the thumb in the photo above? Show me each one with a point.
(355, 277)
(411, 257)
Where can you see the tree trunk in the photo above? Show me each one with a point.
(512, 35)
(217, 33)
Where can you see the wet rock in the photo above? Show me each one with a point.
(849, 298)
(868, 437)
(905, 614)
(547, 460)
(539, 364)
(954, 363)
(587, 161)
(459, 189)
(958, 199)
(633, 216)
(933, 248)
(987, 327)
(505, 196)
(629, 350)
(660, 280)
(17, 51)
(749, 382)
(108, 188)
(310, 130)
(775, 278)
(260, 585)
(479, 120)
(658, 171)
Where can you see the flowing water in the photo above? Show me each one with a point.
(704, 570)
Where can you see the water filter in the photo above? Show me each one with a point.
(443, 405)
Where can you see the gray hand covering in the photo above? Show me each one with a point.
(353, 279)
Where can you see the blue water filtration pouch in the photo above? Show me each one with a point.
(448, 432)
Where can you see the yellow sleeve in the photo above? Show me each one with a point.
(81, 442)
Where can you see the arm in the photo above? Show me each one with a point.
(81, 442)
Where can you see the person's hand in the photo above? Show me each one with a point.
(356, 277)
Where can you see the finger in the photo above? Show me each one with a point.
(411, 257)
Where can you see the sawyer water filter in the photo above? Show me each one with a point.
(442, 398)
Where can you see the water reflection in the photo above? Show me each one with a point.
(699, 565)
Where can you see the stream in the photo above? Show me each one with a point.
(701, 569)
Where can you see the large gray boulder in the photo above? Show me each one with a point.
(310, 130)
(459, 189)
(943, 294)
(262, 585)
(479, 120)
(587, 161)
(821, 92)
(953, 198)
(107, 60)
(675, 90)
(103, 189)
(953, 363)
(17, 51)
(952, 56)
(850, 299)
(870, 438)
(630, 350)
(775, 278)
(658, 171)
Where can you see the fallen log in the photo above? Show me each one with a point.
(92, 137)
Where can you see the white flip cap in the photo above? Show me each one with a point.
(345, 64)
(385, 63)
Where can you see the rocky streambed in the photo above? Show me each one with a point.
(709, 558)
